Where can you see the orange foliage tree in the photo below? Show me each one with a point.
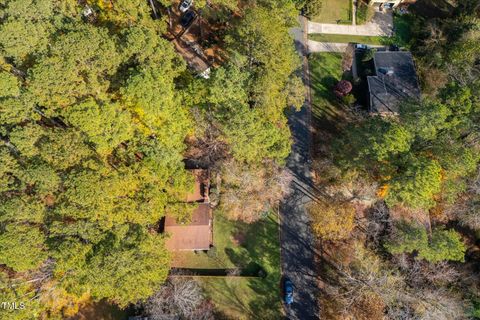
(332, 221)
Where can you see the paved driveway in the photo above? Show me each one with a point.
(297, 240)
(381, 25)
(315, 46)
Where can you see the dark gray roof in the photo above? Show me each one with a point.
(395, 80)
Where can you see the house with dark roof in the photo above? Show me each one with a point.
(197, 234)
(394, 80)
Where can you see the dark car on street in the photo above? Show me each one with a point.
(394, 47)
(187, 18)
(287, 291)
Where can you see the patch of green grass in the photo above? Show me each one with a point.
(334, 11)
(325, 72)
(346, 38)
(247, 246)
(244, 298)
(251, 298)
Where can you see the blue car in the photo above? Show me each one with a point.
(288, 291)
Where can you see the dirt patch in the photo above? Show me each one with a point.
(402, 213)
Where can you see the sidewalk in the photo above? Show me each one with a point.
(381, 25)
(315, 46)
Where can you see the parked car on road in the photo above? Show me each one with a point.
(185, 5)
(187, 18)
(361, 46)
(393, 47)
(287, 291)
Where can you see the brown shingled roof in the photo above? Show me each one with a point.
(200, 191)
(197, 235)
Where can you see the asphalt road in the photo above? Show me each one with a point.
(297, 240)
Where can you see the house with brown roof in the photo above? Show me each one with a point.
(197, 234)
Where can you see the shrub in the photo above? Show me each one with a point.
(364, 12)
(212, 253)
(349, 99)
(342, 88)
(312, 8)
(368, 54)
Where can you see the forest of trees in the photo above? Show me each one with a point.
(403, 243)
(96, 117)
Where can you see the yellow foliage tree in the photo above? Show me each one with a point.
(59, 302)
(332, 221)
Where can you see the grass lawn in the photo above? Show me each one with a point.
(243, 298)
(334, 11)
(345, 38)
(247, 246)
(325, 72)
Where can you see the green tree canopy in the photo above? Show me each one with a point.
(262, 46)
(92, 138)
(26, 28)
(22, 247)
(408, 238)
(429, 150)
(106, 125)
(130, 258)
(78, 65)
(416, 185)
(9, 85)
(94, 124)
(253, 138)
(411, 238)
(444, 245)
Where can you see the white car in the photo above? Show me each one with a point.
(185, 5)
(361, 46)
